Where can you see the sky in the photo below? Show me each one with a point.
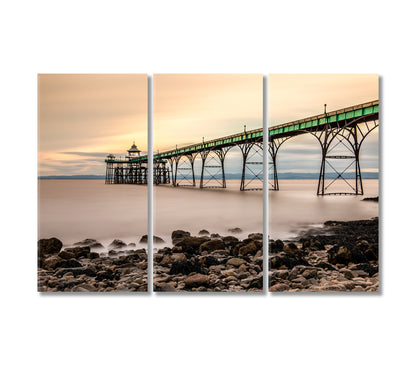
(188, 107)
(83, 117)
(296, 96)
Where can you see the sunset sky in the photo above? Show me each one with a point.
(296, 96)
(188, 107)
(82, 118)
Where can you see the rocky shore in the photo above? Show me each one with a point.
(340, 257)
(209, 262)
(80, 268)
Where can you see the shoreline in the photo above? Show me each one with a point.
(85, 268)
(336, 256)
(341, 256)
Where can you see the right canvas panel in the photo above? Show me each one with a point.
(323, 182)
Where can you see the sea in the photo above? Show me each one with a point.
(73, 210)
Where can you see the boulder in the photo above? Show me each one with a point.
(191, 244)
(284, 260)
(235, 261)
(279, 287)
(292, 249)
(230, 241)
(117, 244)
(178, 257)
(49, 246)
(207, 261)
(235, 230)
(276, 246)
(212, 245)
(66, 255)
(52, 262)
(256, 236)
(325, 266)
(343, 255)
(312, 244)
(78, 252)
(92, 243)
(156, 239)
(178, 235)
(203, 232)
(248, 249)
(163, 287)
(196, 280)
(186, 267)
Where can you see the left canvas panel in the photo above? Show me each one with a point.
(92, 183)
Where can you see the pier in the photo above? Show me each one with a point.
(340, 134)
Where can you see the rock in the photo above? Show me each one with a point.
(371, 199)
(257, 282)
(281, 274)
(212, 245)
(312, 244)
(49, 246)
(347, 273)
(371, 253)
(71, 263)
(203, 232)
(236, 261)
(117, 244)
(310, 273)
(84, 288)
(191, 244)
(166, 260)
(178, 257)
(371, 270)
(76, 271)
(325, 265)
(279, 287)
(230, 241)
(256, 236)
(79, 251)
(66, 255)
(292, 249)
(186, 267)
(156, 239)
(52, 262)
(235, 230)
(208, 261)
(197, 280)
(178, 235)
(276, 246)
(164, 287)
(287, 261)
(250, 248)
(343, 255)
(104, 274)
(92, 243)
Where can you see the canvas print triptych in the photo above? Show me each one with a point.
(211, 168)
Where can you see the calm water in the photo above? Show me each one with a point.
(296, 207)
(72, 210)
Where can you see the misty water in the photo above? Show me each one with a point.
(73, 210)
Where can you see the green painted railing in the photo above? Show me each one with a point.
(306, 123)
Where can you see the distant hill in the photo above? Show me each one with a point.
(72, 177)
(286, 175)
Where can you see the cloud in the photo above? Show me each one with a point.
(90, 154)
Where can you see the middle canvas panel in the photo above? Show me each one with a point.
(208, 172)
